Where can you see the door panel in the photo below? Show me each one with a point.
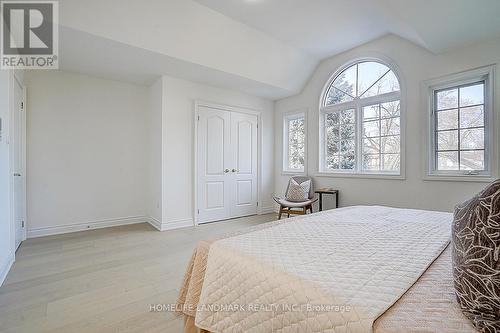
(215, 145)
(244, 158)
(215, 197)
(213, 158)
(244, 188)
(244, 139)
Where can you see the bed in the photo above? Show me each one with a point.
(354, 269)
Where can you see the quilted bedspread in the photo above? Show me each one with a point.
(335, 271)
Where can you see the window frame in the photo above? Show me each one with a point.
(357, 104)
(458, 80)
(287, 117)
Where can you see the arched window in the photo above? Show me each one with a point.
(360, 121)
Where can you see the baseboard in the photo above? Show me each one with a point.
(177, 224)
(62, 229)
(170, 225)
(154, 222)
(267, 210)
(5, 267)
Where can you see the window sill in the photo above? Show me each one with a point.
(360, 175)
(292, 172)
(460, 178)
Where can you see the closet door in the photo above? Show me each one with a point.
(244, 164)
(214, 160)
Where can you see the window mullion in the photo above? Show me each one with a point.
(359, 138)
(459, 131)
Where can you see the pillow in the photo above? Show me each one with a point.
(298, 192)
(476, 258)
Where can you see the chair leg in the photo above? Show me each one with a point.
(311, 208)
(281, 212)
(305, 210)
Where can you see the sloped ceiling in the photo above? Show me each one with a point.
(133, 39)
(327, 27)
(267, 48)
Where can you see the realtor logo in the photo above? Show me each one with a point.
(29, 35)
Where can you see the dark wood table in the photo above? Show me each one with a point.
(322, 191)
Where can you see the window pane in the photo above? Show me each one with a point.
(296, 143)
(447, 140)
(333, 162)
(336, 96)
(332, 119)
(472, 95)
(390, 126)
(332, 133)
(347, 147)
(368, 73)
(348, 117)
(381, 129)
(472, 117)
(447, 160)
(386, 84)
(390, 162)
(371, 162)
(472, 138)
(340, 126)
(296, 157)
(371, 145)
(346, 81)
(472, 160)
(347, 131)
(333, 148)
(447, 99)
(390, 144)
(332, 136)
(297, 124)
(447, 119)
(371, 112)
(390, 109)
(347, 162)
(370, 129)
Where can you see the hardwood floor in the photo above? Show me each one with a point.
(103, 280)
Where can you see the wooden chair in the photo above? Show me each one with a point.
(296, 207)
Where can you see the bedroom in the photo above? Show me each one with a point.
(161, 117)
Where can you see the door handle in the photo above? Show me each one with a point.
(17, 175)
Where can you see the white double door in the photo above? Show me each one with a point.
(227, 164)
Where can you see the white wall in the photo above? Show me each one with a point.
(178, 135)
(6, 241)
(86, 152)
(154, 148)
(103, 152)
(416, 65)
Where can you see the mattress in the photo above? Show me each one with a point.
(364, 258)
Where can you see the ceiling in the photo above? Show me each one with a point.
(324, 28)
(130, 41)
(109, 59)
(267, 48)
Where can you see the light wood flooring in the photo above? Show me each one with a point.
(103, 280)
